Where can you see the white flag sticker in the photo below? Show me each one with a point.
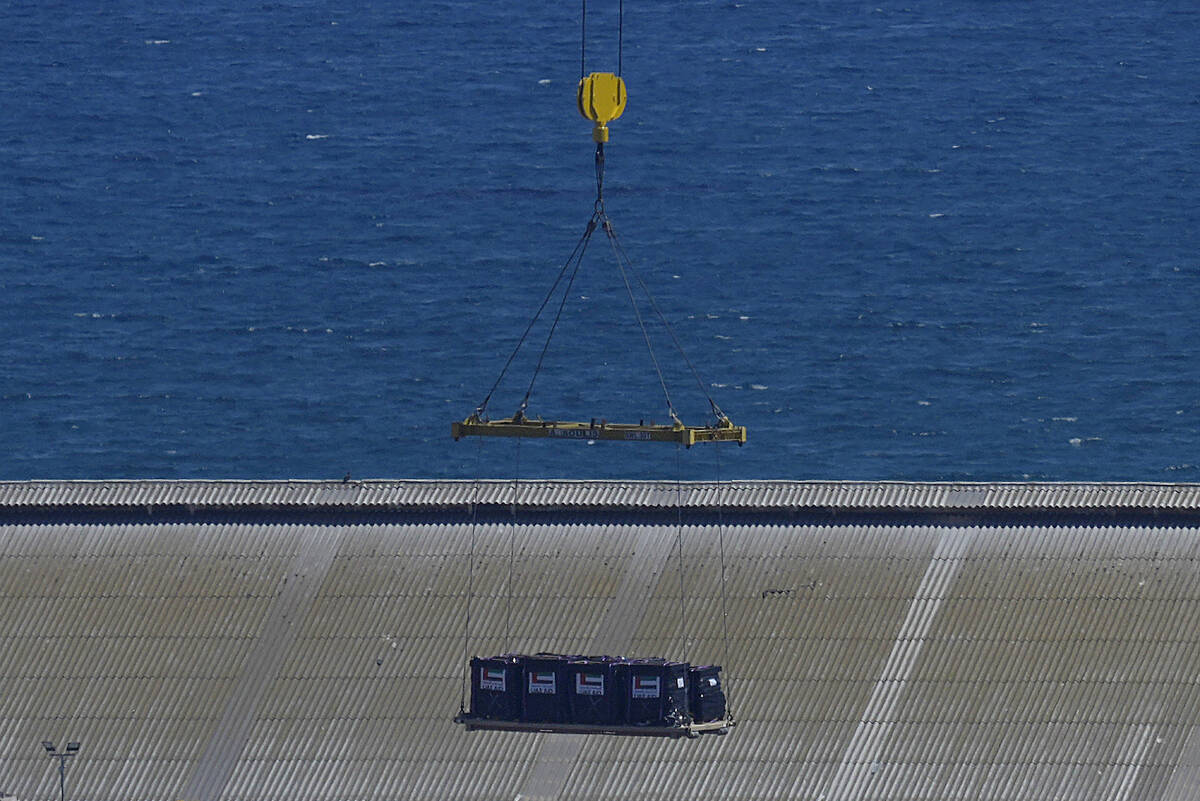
(541, 682)
(589, 684)
(645, 687)
(491, 678)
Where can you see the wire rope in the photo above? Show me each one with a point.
(583, 38)
(679, 543)
(624, 265)
(578, 255)
(512, 548)
(641, 323)
(482, 408)
(471, 586)
(724, 605)
(622, 255)
(462, 698)
(620, 35)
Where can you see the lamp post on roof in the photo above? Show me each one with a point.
(62, 756)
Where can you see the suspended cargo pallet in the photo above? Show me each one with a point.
(520, 426)
(682, 730)
(570, 694)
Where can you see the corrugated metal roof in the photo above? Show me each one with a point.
(612, 494)
(1048, 655)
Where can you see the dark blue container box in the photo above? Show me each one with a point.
(593, 692)
(544, 689)
(655, 692)
(496, 688)
(706, 698)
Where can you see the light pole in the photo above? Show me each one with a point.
(62, 757)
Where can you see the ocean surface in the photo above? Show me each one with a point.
(920, 240)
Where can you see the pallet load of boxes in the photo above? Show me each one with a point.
(595, 694)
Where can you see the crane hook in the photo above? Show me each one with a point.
(601, 99)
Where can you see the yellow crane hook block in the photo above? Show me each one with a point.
(601, 99)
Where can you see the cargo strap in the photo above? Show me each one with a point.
(679, 540)
(601, 99)
(724, 605)
(569, 271)
(462, 699)
(512, 556)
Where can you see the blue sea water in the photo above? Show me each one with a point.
(918, 240)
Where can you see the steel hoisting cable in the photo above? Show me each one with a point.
(600, 177)
(577, 257)
(641, 323)
(624, 265)
(482, 407)
(679, 542)
(601, 215)
(512, 547)
(583, 38)
(623, 260)
(620, 35)
(621, 255)
(724, 606)
(580, 249)
(462, 698)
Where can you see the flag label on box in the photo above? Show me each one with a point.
(541, 682)
(645, 687)
(492, 678)
(589, 684)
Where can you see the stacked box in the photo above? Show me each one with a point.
(705, 696)
(595, 690)
(496, 688)
(655, 692)
(544, 689)
(593, 694)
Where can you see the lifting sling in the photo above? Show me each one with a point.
(600, 98)
(574, 694)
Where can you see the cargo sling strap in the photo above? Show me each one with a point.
(476, 424)
(600, 98)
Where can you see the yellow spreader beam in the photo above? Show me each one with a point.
(723, 431)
